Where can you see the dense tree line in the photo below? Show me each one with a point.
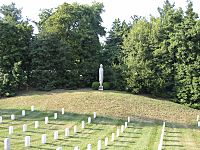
(158, 56)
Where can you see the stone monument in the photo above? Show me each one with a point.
(101, 77)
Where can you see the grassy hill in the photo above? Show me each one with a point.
(113, 108)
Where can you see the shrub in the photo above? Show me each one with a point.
(95, 85)
(106, 85)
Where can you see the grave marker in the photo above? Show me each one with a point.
(59, 148)
(6, 144)
(67, 132)
(1, 119)
(27, 141)
(55, 135)
(113, 137)
(75, 129)
(76, 148)
(198, 123)
(83, 124)
(197, 117)
(129, 119)
(24, 128)
(89, 120)
(32, 108)
(95, 115)
(23, 113)
(161, 137)
(12, 117)
(106, 141)
(63, 111)
(122, 128)
(126, 125)
(99, 145)
(89, 147)
(55, 115)
(46, 119)
(44, 138)
(11, 129)
(36, 124)
(118, 131)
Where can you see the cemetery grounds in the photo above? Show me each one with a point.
(113, 108)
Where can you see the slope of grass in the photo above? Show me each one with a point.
(112, 108)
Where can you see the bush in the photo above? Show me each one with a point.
(95, 85)
(106, 85)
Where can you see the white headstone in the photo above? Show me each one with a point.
(46, 120)
(59, 148)
(44, 138)
(11, 129)
(32, 108)
(55, 135)
(89, 147)
(89, 120)
(99, 145)
(106, 141)
(63, 111)
(118, 131)
(113, 137)
(95, 115)
(126, 125)
(197, 117)
(27, 141)
(101, 77)
(76, 148)
(55, 115)
(24, 127)
(198, 123)
(23, 113)
(12, 117)
(83, 124)
(36, 124)
(67, 132)
(122, 128)
(75, 129)
(1, 119)
(6, 144)
(129, 119)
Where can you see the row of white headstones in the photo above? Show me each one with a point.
(44, 136)
(163, 132)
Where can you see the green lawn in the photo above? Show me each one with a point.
(143, 133)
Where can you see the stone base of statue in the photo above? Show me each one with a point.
(100, 88)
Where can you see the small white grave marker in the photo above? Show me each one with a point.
(126, 125)
(122, 128)
(46, 120)
(76, 148)
(106, 141)
(198, 123)
(99, 145)
(1, 119)
(27, 141)
(113, 137)
(24, 127)
(36, 124)
(55, 115)
(59, 148)
(118, 131)
(95, 115)
(129, 119)
(75, 129)
(83, 124)
(63, 111)
(23, 113)
(55, 135)
(197, 117)
(89, 120)
(32, 108)
(89, 147)
(11, 129)
(44, 138)
(67, 132)
(6, 144)
(12, 117)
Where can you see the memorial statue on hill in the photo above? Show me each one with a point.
(101, 77)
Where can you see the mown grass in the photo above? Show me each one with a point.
(112, 108)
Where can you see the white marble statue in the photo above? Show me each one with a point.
(101, 77)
